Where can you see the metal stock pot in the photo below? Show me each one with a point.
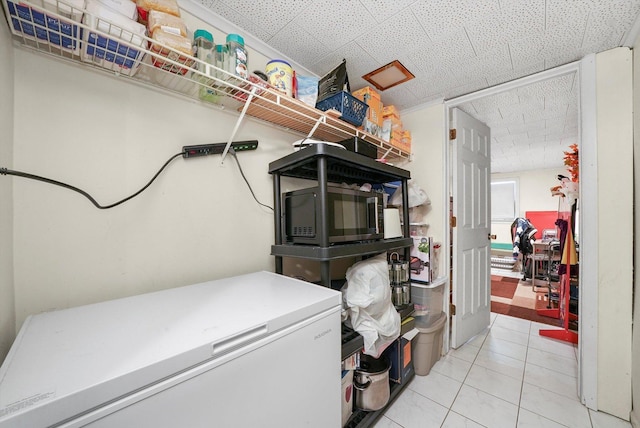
(371, 383)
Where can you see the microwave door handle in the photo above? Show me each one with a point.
(375, 213)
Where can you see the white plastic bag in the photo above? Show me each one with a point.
(368, 298)
(417, 196)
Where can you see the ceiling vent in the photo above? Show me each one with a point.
(388, 76)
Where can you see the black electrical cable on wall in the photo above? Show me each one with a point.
(6, 171)
(233, 152)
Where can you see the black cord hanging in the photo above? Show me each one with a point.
(6, 171)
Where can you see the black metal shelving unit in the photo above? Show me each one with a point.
(328, 164)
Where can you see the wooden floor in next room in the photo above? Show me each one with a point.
(508, 376)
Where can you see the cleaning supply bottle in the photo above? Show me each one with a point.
(237, 56)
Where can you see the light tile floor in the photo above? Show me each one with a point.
(508, 376)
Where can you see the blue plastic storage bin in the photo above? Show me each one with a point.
(352, 109)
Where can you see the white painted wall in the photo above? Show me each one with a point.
(614, 89)
(534, 195)
(7, 308)
(427, 168)
(635, 351)
(197, 222)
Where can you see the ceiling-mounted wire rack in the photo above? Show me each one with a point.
(63, 30)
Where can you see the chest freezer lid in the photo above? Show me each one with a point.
(66, 362)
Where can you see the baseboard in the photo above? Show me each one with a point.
(635, 418)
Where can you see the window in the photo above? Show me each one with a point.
(504, 200)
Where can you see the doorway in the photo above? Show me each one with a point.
(583, 74)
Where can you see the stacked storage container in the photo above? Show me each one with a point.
(120, 52)
(392, 129)
(373, 121)
(36, 24)
(430, 319)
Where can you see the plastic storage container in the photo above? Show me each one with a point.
(427, 346)
(237, 56)
(352, 110)
(280, 76)
(173, 47)
(428, 300)
(119, 52)
(204, 49)
(36, 23)
(221, 61)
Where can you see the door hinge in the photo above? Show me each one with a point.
(452, 309)
(452, 134)
(454, 221)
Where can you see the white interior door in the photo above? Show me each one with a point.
(471, 163)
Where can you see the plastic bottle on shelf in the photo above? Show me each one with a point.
(237, 56)
(204, 48)
(221, 61)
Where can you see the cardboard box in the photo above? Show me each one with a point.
(421, 250)
(398, 141)
(399, 354)
(390, 111)
(373, 100)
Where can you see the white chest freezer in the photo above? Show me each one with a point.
(256, 350)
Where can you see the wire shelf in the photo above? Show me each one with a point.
(58, 28)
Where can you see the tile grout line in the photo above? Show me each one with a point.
(449, 410)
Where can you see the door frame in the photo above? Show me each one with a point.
(588, 303)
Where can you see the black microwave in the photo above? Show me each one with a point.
(352, 215)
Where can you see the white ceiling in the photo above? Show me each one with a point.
(454, 47)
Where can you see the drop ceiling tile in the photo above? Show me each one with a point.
(524, 108)
(511, 115)
(608, 24)
(207, 3)
(441, 17)
(558, 11)
(516, 73)
(395, 36)
(241, 20)
(562, 59)
(515, 19)
(493, 102)
(491, 63)
(499, 132)
(536, 93)
(492, 118)
(467, 88)
(333, 23)
(442, 54)
(381, 10)
(551, 44)
(524, 127)
(297, 43)
(262, 13)
(358, 63)
(411, 90)
(468, 108)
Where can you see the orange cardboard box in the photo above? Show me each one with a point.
(372, 98)
(390, 110)
(396, 123)
(400, 140)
